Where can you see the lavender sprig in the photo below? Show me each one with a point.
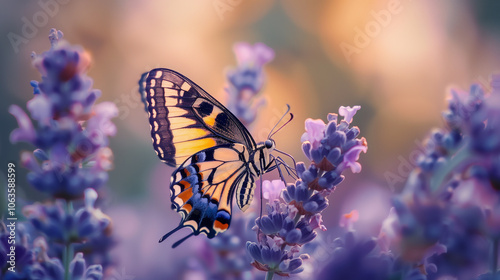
(449, 207)
(225, 257)
(292, 219)
(70, 162)
(245, 82)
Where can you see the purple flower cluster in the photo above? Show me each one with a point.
(291, 222)
(246, 81)
(71, 133)
(445, 224)
(33, 261)
(447, 219)
(68, 227)
(70, 163)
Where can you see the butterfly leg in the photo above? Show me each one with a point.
(288, 155)
(276, 165)
(292, 172)
(278, 161)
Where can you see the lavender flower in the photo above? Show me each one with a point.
(448, 211)
(332, 148)
(72, 133)
(246, 81)
(287, 227)
(71, 161)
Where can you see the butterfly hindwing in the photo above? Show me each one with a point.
(203, 187)
(185, 119)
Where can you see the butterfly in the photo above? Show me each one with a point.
(216, 157)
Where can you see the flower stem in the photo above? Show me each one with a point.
(269, 275)
(68, 256)
(442, 172)
(494, 257)
(68, 248)
(297, 218)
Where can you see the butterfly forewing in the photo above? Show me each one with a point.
(185, 119)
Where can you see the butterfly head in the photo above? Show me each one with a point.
(270, 144)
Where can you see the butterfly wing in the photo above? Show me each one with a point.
(209, 146)
(203, 187)
(186, 119)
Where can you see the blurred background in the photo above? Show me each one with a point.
(397, 59)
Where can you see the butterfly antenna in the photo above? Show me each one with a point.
(291, 118)
(182, 240)
(271, 132)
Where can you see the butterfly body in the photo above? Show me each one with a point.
(215, 155)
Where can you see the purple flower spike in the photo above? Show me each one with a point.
(71, 154)
(246, 80)
(72, 131)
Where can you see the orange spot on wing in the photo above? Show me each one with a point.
(220, 225)
(185, 195)
(184, 184)
(187, 207)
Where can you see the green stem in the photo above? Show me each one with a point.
(68, 248)
(269, 275)
(297, 218)
(494, 257)
(68, 256)
(446, 169)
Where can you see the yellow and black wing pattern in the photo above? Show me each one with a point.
(209, 146)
